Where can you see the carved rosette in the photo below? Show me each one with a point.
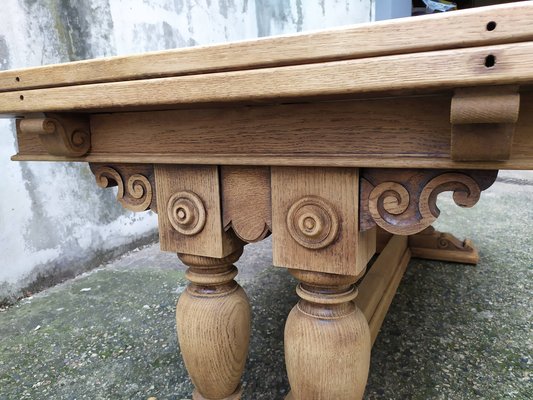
(61, 135)
(186, 213)
(313, 222)
(135, 190)
(404, 202)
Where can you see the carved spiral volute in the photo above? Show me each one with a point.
(397, 210)
(60, 134)
(136, 194)
(80, 142)
(313, 222)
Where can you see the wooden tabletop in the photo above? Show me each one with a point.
(449, 90)
(483, 46)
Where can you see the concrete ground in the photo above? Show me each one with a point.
(452, 332)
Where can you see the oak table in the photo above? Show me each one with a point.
(337, 143)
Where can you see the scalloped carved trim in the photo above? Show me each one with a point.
(135, 184)
(246, 201)
(404, 202)
(61, 134)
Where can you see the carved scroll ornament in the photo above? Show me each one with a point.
(61, 135)
(135, 186)
(404, 202)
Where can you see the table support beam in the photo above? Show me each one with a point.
(378, 287)
(431, 244)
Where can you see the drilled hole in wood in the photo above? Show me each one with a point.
(21, 97)
(490, 61)
(17, 79)
(491, 26)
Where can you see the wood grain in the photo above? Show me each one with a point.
(412, 131)
(213, 323)
(66, 135)
(135, 182)
(463, 29)
(376, 161)
(351, 127)
(381, 310)
(379, 285)
(315, 220)
(246, 201)
(190, 217)
(483, 123)
(327, 340)
(404, 202)
(488, 105)
(377, 279)
(382, 239)
(406, 73)
(431, 244)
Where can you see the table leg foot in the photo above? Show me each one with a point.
(213, 323)
(434, 245)
(237, 395)
(327, 340)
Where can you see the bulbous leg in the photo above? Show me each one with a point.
(213, 322)
(327, 340)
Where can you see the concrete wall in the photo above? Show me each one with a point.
(54, 221)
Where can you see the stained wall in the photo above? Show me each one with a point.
(54, 221)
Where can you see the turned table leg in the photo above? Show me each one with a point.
(327, 340)
(213, 322)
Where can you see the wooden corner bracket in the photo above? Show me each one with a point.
(136, 184)
(404, 202)
(483, 123)
(66, 135)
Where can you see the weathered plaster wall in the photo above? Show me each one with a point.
(54, 221)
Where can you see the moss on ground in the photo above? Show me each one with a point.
(116, 340)
(453, 331)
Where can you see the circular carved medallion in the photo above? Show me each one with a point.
(186, 213)
(313, 222)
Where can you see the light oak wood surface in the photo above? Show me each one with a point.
(135, 184)
(67, 135)
(190, 211)
(484, 122)
(327, 340)
(383, 307)
(395, 132)
(316, 221)
(434, 245)
(246, 201)
(317, 139)
(462, 29)
(213, 323)
(394, 74)
(404, 202)
(376, 281)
